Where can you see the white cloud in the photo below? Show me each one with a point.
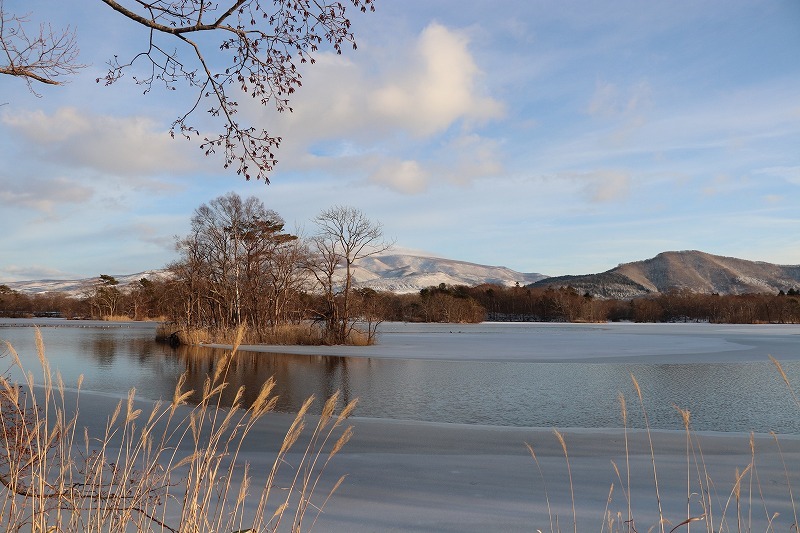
(120, 146)
(472, 157)
(402, 176)
(437, 89)
(459, 161)
(29, 272)
(384, 112)
(154, 234)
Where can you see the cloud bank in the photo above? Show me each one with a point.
(118, 146)
(399, 115)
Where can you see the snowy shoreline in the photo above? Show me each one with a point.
(418, 476)
(567, 342)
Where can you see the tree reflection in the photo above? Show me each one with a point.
(297, 376)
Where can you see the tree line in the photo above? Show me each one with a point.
(445, 303)
(565, 304)
(239, 265)
(172, 299)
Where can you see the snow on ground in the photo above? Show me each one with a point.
(415, 476)
(407, 476)
(553, 342)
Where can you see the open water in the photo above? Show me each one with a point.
(724, 392)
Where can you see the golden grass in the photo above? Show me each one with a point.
(171, 467)
(356, 337)
(116, 318)
(563, 443)
(303, 334)
(708, 505)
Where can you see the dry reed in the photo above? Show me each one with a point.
(302, 334)
(116, 318)
(733, 512)
(174, 467)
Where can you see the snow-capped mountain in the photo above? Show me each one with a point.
(401, 273)
(78, 287)
(407, 273)
(398, 273)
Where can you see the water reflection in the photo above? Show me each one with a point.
(102, 349)
(721, 396)
(297, 377)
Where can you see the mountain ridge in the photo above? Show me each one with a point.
(692, 270)
(399, 273)
(77, 287)
(407, 273)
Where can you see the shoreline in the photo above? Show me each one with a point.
(539, 342)
(663, 343)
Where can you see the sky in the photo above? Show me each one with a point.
(558, 137)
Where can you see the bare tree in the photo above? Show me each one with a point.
(45, 56)
(344, 235)
(237, 266)
(220, 50)
(286, 278)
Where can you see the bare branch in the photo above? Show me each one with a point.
(46, 57)
(262, 44)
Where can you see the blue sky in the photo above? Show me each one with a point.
(560, 137)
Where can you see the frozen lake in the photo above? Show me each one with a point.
(525, 375)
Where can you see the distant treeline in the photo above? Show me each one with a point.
(153, 300)
(565, 304)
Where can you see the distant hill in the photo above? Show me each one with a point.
(399, 273)
(692, 270)
(608, 284)
(405, 273)
(77, 287)
(402, 273)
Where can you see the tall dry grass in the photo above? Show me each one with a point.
(163, 466)
(302, 334)
(116, 318)
(305, 334)
(745, 502)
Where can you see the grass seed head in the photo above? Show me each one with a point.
(623, 406)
